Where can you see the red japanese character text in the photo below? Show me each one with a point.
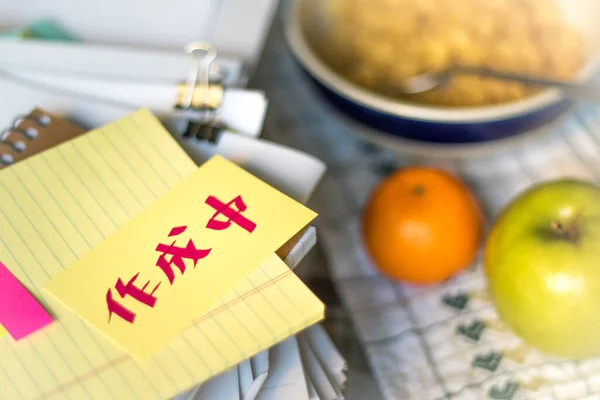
(178, 254)
(129, 289)
(230, 213)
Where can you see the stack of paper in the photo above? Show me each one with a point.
(57, 210)
(306, 366)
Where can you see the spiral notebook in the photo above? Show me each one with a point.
(57, 202)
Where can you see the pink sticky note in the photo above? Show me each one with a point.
(20, 313)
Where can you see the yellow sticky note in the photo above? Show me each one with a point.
(2, 331)
(167, 266)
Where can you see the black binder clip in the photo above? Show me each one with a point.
(209, 130)
(202, 94)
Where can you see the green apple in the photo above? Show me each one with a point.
(542, 262)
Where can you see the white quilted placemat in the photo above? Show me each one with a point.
(446, 341)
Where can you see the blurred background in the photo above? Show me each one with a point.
(344, 79)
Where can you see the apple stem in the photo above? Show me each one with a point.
(557, 226)
(570, 232)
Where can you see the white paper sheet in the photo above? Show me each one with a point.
(290, 171)
(188, 394)
(323, 365)
(286, 378)
(242, 110)
(252, 374)
(223, 387)
(314, 371)
(260, 362)
(101, 62)
(326, 352)
(303, 367)
(127, 39)
(312, 392)
(21, 96)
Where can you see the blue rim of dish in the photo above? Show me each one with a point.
(444, 133)
(428, 125)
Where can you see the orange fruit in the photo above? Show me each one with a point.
(422, 225)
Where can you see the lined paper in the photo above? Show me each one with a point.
(52, 213)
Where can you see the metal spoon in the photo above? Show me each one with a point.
(431, 80)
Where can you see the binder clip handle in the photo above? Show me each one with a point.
(198, 92)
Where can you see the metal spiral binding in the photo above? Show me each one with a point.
(20, 146)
